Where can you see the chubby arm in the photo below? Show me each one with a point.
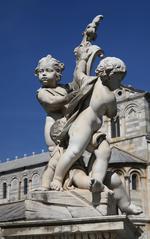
(51, 101)
(46, 96)
(81, 70)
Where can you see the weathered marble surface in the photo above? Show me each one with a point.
(56, 205)
(110, 227)
(69, 214)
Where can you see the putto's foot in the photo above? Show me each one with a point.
(132, 210)
(96, 186)
(56, 185)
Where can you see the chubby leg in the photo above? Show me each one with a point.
(121, 196)
(47, 178)
(48, 174)
(100, 165)
(80, 135)
(81, 180)
(48, 124)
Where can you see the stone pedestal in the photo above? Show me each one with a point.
(56, 205)
(107, 227)
(62, 215)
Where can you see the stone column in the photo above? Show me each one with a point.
(122, 127)
(109, 129)
(144, 197)
(127, 184)
(19, 191)
(8, 192)
(148, 148)
(30, 185)
(148, 187)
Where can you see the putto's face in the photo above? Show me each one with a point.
(47, 76)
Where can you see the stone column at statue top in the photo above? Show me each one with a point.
(87, 50)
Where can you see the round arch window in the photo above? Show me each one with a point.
(134, 181)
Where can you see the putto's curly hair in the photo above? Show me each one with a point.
(110, 65)
(49, 61)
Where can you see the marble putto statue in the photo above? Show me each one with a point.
(74, 118)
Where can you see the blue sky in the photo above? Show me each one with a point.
(30, 29)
